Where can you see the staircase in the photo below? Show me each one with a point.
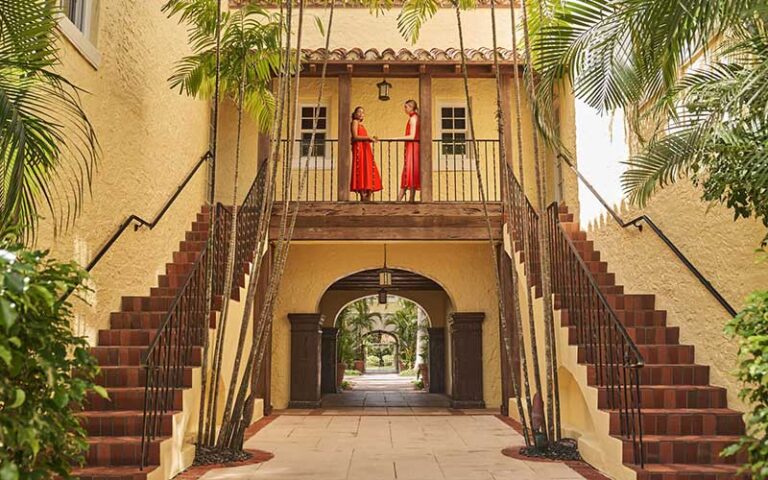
(686, 422)
(115, 426)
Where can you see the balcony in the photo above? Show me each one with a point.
(448, 207)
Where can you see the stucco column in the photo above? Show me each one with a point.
(329, 354)
(467, 366)
(436, 360)
(305, 359)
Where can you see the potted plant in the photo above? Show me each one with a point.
(424, 374)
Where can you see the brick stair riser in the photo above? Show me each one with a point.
(123, 356)
(124, 453)
(706, 452)
(675, 423)
(666, 397)
(129, 399)
(191, 335)
(632, 319)
(136, 377)
(693, 474)
(639, 335)
(658, 375)
(121, 425)
(143, 320)
(666, 354)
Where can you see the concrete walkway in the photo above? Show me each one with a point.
(445, 447)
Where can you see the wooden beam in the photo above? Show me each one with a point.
(345, 152)
(425, 134)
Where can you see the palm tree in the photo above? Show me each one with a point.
(236, 53)
(47, 145)
(358, 318)
(707, 123)
(404, 323)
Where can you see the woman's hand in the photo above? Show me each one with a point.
(374, 139)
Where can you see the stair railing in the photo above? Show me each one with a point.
(524, 222)
(603, 341)
(644, 219)
(179, 338)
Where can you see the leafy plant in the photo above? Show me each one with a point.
(45, 370)
(404, 323)
(707, 124)
(43, 126)
(750, 328)
(418, 384)
(358, 319)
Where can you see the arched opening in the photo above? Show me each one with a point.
(383, 350)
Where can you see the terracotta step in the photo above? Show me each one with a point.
(126, 398)
(120, 451)
(142, 320)
(186, 257)
(663, 374)
(688, 472)
(113, 473)
(632, 302)
(139, 338)
(146, 304)
(196, 236)
(192, 245)
(685, 449)
(134, 376)
(639, 335)
(669, 397)
(616, 289)
(116, 423)
(200, 226)
(681, 421)
(652, 354)
(178, 268)
(132, 356)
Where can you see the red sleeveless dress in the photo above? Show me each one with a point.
(365, 173)
(411, 177)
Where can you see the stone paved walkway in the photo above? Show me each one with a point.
(445, 447)
(377, 391)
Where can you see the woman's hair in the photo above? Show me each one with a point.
(413, 104)
(354, 112)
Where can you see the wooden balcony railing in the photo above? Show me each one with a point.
(453, 170)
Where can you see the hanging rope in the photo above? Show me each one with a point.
(211, 227)
(553, 405)
(506, 332)
(527, 249)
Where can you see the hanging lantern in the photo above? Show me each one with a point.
(385, 275)
(384, 87)
(383, 295)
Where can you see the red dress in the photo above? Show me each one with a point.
(365, 173)
(411, 177)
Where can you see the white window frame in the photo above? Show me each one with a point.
(315, 163)
(82, 38)
(462, 162)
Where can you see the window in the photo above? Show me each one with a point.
(79, 13)
(79, 23)
(453, 130)
(308, 118)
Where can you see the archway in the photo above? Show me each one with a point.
(397, 364)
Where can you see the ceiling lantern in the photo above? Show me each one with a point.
(384, 86)
(385, 279)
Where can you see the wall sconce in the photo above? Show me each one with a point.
(384, 87)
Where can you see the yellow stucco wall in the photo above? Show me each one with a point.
(150, 138)
(464, 269)
(723, 250)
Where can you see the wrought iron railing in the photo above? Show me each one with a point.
(602, 339)
(177, 344)
(524, 224)
(453, 173)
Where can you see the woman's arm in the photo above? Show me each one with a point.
(355, 136)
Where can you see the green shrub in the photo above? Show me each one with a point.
(40, 436)
(418, 384)
(351, 373)
(372, 360)
(408, 372)
(388, 359)
(345, 385)
(750, 327)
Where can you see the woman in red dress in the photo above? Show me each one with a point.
(365, 174)
(410, 181)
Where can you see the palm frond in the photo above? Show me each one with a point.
(413, 15)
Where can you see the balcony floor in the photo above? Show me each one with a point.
(391, 221)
